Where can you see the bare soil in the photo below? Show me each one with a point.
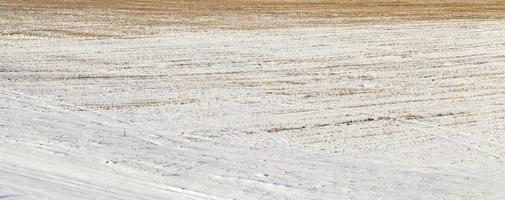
(133, 17)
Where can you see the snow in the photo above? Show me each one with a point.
(404, 111)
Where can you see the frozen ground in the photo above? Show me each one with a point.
(414, 110)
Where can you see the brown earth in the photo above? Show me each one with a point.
(133, 17)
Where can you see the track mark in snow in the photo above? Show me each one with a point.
(491, 149)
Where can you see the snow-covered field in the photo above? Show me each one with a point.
(411, 110)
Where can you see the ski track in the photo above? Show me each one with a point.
(351, 112)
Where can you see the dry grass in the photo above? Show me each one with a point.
(138, 104)
(132, 17)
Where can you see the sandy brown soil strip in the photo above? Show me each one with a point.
(104, 18)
